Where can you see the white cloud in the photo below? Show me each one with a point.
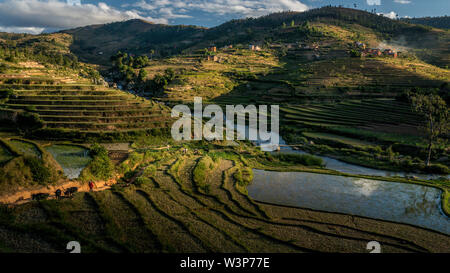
(373, 2)
(55, 14)
(402, 1)
(220, 7)
(247, 7)
(31, 30)
(37, 15)
(391, 15)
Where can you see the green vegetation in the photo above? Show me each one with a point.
(101, 167)
(25, 164)
(363, 132)
(305, 160)
(41, 174)
(337, 138)
(164, 214)
(200, 173)
(243, 177)
(26, 148)
(48, 48)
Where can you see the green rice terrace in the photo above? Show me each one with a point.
(353, 113)
(78, 106)
(174, 201)
(357, 130)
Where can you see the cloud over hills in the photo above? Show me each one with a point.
(34, 16)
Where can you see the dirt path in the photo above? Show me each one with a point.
(24, 196)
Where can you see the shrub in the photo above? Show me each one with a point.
(355, 53)
(135, 158)
(238, 177)
(140, 181)
(201, 171)
(41, 174)
(243, 176)
(130, 174)
(150, 171)
(437, 168)
(124, 168)
(150, 156)
(101, 166)
(303, 159)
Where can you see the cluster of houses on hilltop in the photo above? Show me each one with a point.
(375, 52)
(251, 47)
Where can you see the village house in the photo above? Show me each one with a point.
(390, 52)
(212, 49)
(254, 47)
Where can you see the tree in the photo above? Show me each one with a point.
(142, 75)
(160, 82)
(101, 166)
(436, 118)
(169, 73)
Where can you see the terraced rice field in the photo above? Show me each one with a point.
(333, 137)
(171, 214)
(377, 73)
(352, 113)
(25, 148)
(83, 107)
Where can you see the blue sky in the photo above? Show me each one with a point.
(35, 16)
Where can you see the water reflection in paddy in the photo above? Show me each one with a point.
(73, 159)
(398, 202)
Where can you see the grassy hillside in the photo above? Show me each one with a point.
(97, 43)
(25, 164)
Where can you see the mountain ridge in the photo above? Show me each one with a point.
(97, 43)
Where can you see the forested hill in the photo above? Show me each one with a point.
(97, 43)
(437, 22)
